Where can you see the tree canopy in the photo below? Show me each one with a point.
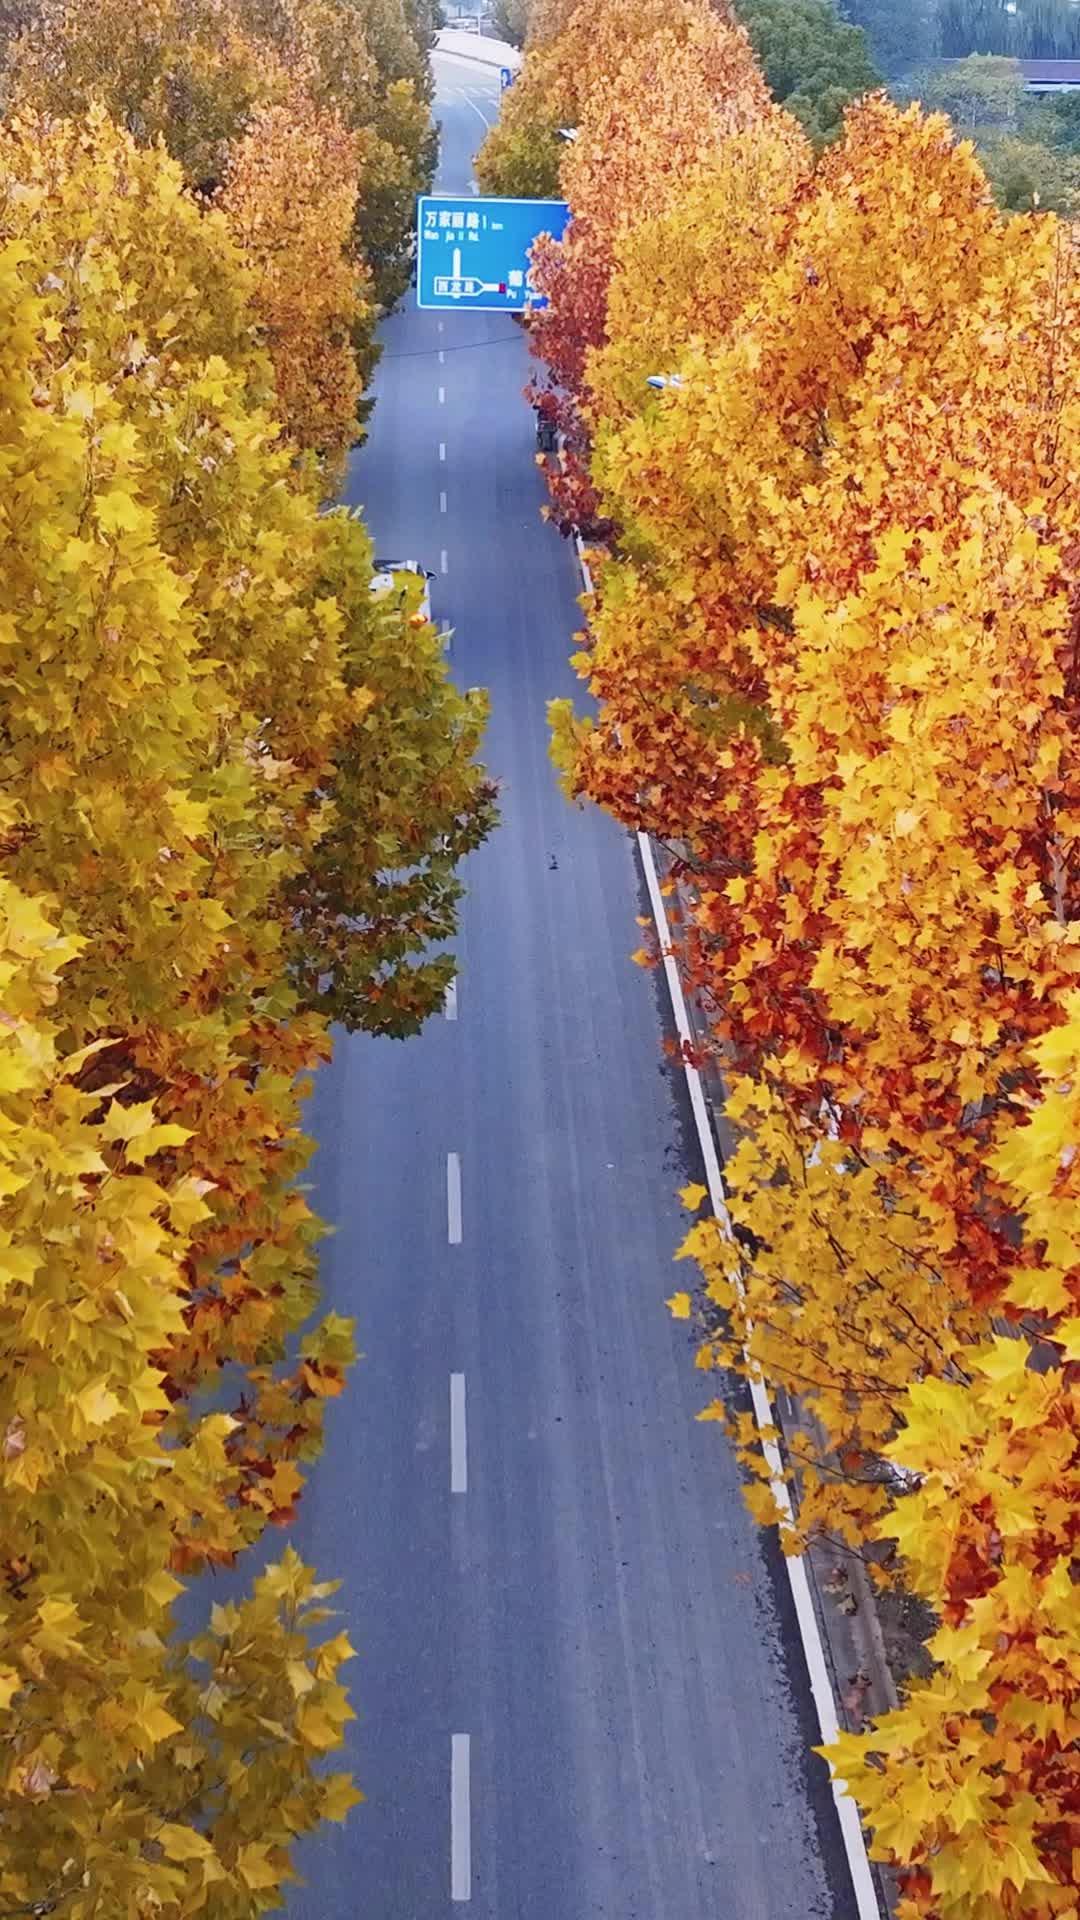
(511, 19)
(1046, 29)
(899, 38)
(983, 91)
(815, 63)
(830, 665)
(235, 789)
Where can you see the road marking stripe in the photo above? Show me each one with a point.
(442, 357)
(442, 449)
(450, 1003)
(866, 1899)
(442, 503)
(460, 1819)
(453, 1198)
(444, 561)
(459, 1449)
(442, 396)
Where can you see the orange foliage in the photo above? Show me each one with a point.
(837, 663)
(701, 259)
(548, 19)
(658, 91)
(675, 95)
(972, 1785)
(767, 722)
(186, 74)
(290, 198)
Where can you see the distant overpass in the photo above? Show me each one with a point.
(477, 47)
(1050, 76)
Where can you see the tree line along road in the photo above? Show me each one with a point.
(579, 1692)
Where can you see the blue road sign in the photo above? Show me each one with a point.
(474, 254)
(506, 77)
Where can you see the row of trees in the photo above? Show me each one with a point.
(1029, 144)
(814, 63)
(833, 662)
(903, 37)
(234, 787)
(1043, 29)
(900, 38)
(817, 58)
(307, 121)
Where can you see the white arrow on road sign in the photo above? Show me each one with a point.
(462, 286)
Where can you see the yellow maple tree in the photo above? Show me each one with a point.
(197, 686)
(290, 192)
(833, 666)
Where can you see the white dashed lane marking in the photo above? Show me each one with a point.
(453, 1199)
(459, 1450)
(460, 1819)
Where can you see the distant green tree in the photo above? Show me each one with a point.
(1030, 147)
(899, 37)
(975, 26)
(983, 92)
(425, 18)
(1053, 119)
(1026, 174)
(511, 19)
(398, 34)
(523, 162)
(1046, 29)
(814, 62)
(1049, 29)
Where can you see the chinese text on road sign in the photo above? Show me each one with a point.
(475, 253)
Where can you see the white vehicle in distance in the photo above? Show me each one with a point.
(409, 583)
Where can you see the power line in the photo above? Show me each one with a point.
(469, 346)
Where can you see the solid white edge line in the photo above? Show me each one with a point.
(453, 1199)
(450, 1003)
(460, 1819)
(459, 1446)
(809, 1632)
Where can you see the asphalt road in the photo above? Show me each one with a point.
(576, 1690)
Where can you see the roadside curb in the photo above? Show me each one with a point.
(836, 1645)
